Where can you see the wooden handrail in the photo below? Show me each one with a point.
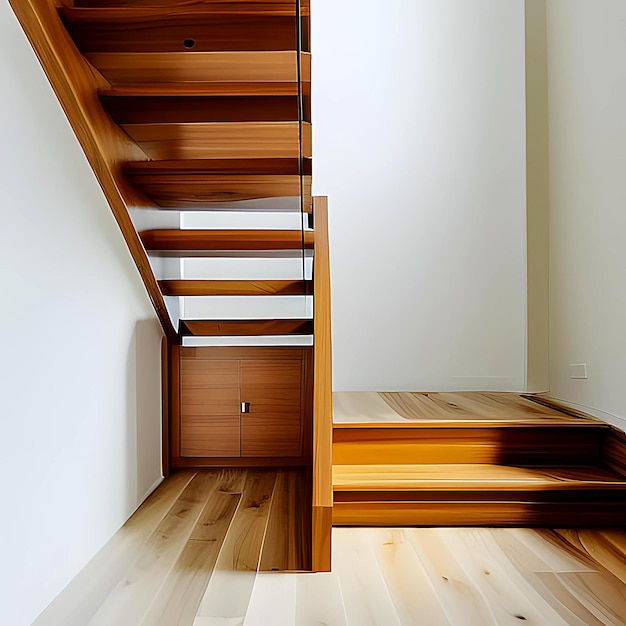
(105, 145)
(322, 394)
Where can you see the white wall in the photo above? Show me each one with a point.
(419, 142)
(587, 100)
(80, 346)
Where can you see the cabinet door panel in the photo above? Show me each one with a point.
(270, 435)
(273, 425)
(210, 408)
(209, 374)
(205, 435)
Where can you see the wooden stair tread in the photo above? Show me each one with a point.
(179, 29)
(155, 170)
(235, 287)
(177, 89)
(208, 140)
(214, 7)
(174, 239)
(466, 477)
(232, 67)
(238, 328)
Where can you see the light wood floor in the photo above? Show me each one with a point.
(191, 555)
(407, 407)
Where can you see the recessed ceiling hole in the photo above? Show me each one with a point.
(189, 43)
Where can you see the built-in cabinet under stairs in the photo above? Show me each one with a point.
(521, 465)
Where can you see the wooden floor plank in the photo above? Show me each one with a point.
(273, 601)
(228, 594)
(287, 544)
(409, 586)
(310, 610)
(365, 595)
(75, 605)
(131, 598)
(511, 599)
(462, 602)
(179, 598)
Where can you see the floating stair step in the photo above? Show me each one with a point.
(215, 7)
(222, 140)
(159, 67)
(204, 89)
(236, 328)
(236, 287)
(196, 183)
(179, 29)
(477, 494)
(182, 242)
(566, 442)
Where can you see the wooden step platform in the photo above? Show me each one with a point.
(234, 67)
(169, 29)
(477, 495)
(185, 242)
(223, 140)
(245, 328)
(236, 287)
(199, 184)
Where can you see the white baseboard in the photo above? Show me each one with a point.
(609, 418)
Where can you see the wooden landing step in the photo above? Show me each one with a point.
(180, 28)
(236, 287)
(245, 328)
(184, 242)
(192, 184)
(477, 495)
(233, 67)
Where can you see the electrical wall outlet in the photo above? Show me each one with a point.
(578, 370)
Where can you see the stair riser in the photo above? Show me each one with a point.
(560, 445)
(167, 33)
(480, 513)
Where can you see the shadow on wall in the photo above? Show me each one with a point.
(143, 410)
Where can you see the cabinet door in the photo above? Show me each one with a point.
(210, 408)
(272, 427)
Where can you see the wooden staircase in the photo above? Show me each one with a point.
(561, 472)
(203, 106)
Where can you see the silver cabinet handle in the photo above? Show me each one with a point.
(245, 407)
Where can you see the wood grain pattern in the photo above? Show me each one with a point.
(222, 140)
(199, 240)
(235, 287)
(614, 451)
(74, 606)
(155, 170)
(287, 545)
(476, 576)
(210, 435)
(200, 191)
(322, 393)
(511, 443)
(246, 328)
(179, 597)
(164, 29)
(214, 7)
(163, 67)
(105, 145)
(129, 601)
(229, 590)
(242, 353)
(165, 406)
